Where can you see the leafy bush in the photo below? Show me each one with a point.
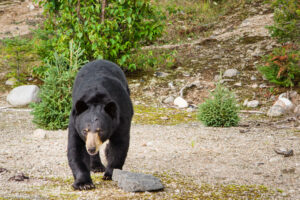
(282, 66)
(286, 20)
(221, 110)
(55, 106)
(103, 29)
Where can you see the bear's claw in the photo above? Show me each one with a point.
(83, 186)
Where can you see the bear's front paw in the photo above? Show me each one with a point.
(83, 186)
(107, 176)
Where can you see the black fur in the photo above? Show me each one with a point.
(101, 100)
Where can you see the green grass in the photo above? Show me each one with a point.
(193, 19)
(152, 115)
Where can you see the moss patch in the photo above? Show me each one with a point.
(163, 116)
(176, 185)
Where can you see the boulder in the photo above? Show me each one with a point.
(23, 95)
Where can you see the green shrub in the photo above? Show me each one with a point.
(282, 66)
(221, 110)
(112, 31)
(55, 94)
(286, 20)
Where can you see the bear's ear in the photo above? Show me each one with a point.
(80, 107)
(111, 109)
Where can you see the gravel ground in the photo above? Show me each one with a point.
(206, 155)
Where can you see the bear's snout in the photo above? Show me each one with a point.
(93, 143)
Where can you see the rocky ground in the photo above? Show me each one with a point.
(193, 161)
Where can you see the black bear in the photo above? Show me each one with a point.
(101, 110)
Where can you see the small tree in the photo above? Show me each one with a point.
(221, 110)
(54, 109)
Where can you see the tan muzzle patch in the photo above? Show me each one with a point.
(93, 143)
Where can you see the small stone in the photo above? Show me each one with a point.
(231, 73)
(190, 109)
(171, 85)
(245, 102)
(180, 102)
(285, 103)
(217, 57)
(254, 86)
(23, 95)
(164, 118)
(252, 104)
(11, 81)
(186, 74)
(275, 111)
(161, 74)
(239, 84)
(40, 134)
(253, 78)
(263, 85)
(136, 182)
(284, 151)
(168, 100)
(18, 177)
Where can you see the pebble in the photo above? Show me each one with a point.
(275, 111)
(231, 73)
(11, 81)
(253, 78)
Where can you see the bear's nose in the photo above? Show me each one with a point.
(92, 150)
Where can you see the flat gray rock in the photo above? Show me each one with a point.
(136, 182)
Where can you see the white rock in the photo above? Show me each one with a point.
(275, 111)
(245, 102)
(180, 102)
(286, 104)
(239, 84)
(252, 104)
(11, 81)
(23, 95)
(253, 78)
(231, 73)
(254, 85)
(169, 99)
(40, 134)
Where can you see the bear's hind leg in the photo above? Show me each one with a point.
(96, 164)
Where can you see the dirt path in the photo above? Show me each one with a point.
(183, 152)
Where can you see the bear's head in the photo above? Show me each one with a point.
(95, 122)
